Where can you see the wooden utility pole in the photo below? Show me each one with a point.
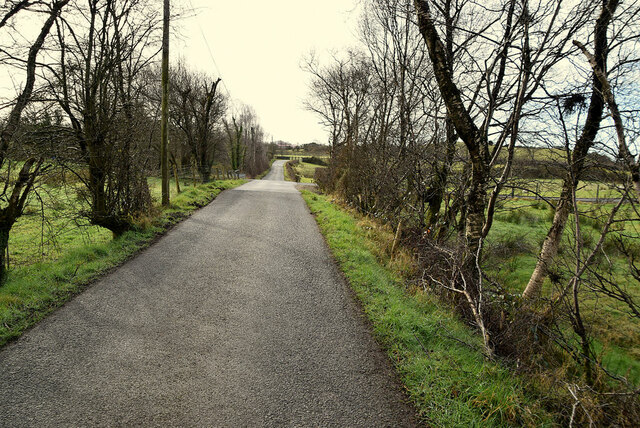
(164, 127)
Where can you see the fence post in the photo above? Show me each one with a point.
(175, 175)
(396, 238)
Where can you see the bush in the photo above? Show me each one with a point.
(323, 178)
(316, 161)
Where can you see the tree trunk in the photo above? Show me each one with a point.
(473, 138)
(205, 173)
(175, 175)
(442, 173)
(577, 157)
(4, 244)
(96, 182)
(100, 214)
(549, 248)
(435, 194)
(476, 203)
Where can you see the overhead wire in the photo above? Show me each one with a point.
(213, 60)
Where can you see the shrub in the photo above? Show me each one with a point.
(316, 161)
(323, 177)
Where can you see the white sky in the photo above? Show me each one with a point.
(259, 46)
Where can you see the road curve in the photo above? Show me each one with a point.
(237, 317)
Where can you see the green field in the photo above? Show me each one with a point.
(51, 225)
(553, 187)
(512, 248)
(305, 170)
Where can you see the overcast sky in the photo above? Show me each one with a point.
(258, 47)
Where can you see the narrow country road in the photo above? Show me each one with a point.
(236, 318)
(276, 173)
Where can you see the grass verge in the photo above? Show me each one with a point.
(32, 291)
(437, 357)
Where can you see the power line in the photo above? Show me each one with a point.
(206, 42)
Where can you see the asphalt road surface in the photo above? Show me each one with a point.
(236, 318)
(276, 173)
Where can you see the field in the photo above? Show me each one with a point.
(552, 188)
(52, 225)
(305, 170)
(512, 247)
(55, 252)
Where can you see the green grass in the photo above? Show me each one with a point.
(451, 384)
(553, 188)
(512, 247)
(49, 229)
(51, 224)
(38, 285)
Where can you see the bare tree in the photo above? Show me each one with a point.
(340, 96)
(254, 159)
(237, 148)
(197, 109)
(577, 155)
(16, 189)
(102, 50)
